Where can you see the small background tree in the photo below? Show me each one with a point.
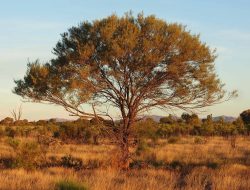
(245, 116)
(17, 113)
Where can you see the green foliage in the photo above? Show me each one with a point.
(69, 185)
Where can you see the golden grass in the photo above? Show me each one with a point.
(233, 172)
(232, 177)
(217, 149)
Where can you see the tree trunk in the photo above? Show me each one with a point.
(124, 145)
(124, 159)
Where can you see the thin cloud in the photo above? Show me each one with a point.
(30, 24)
(234, 34)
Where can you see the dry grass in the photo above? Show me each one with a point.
(232, 169)
(233, 177)
(217, 149)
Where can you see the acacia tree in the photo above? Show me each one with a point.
(131, 63)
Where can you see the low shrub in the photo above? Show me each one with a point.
(199, 140)
(69, 185)
(176, 164)
(7, 163)
(10, 132)
(138, 164)
(213, 165)
(69, 161)
(173, 139)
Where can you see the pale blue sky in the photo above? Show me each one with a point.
(30, 29)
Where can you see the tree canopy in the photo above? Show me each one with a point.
(140, 62)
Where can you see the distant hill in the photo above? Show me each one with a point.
(228, 119)
(154, 117)
(158, 117)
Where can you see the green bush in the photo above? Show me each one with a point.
(69, 185)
